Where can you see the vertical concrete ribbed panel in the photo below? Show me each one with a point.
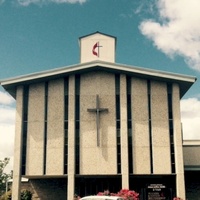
(96, 159)
(71, 138)
(55, 128)
(124, 132)
(35, 136)
(16, 186)
(160, 128)
(178, 148)
(140, 126)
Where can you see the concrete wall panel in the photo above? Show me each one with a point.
(191, 155)
(140, 126)
(35, 137)
(124, 132)
(71, 139)
(160, 128)
(18, 144)
(102, 84)
(178, 148)
(55, 128)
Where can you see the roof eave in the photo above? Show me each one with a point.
(184, 80)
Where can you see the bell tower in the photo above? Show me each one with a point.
(97, 46)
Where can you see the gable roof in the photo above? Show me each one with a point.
(97, 32)
(184, 81)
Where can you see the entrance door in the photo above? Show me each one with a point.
(91, 185)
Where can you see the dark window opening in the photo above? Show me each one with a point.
(117, 103)
(171, 128)
(24, 128)
(150, 125)
(66, 101)
(77, 124)
(45, 126)
(129, 122)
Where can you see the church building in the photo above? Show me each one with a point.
(99, 125)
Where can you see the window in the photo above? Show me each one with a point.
(24, 128)
(117, 103)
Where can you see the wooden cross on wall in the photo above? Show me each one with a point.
(97, 110)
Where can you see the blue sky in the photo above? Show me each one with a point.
(37, 35)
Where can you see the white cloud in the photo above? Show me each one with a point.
(7, 115)
(7, 128)
(5, 98)
(7, 143)
(40, 2)
(7, 111)
(190, 114)
(177, 32)
(7, 139)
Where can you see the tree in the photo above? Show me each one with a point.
(4, 177)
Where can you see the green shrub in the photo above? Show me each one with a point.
(26, 195)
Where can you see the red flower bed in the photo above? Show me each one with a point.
(128, 194)
(124, 193)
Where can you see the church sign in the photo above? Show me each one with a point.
(157, 192)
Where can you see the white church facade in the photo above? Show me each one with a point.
(100, 125)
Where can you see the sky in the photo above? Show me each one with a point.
(38, 35)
